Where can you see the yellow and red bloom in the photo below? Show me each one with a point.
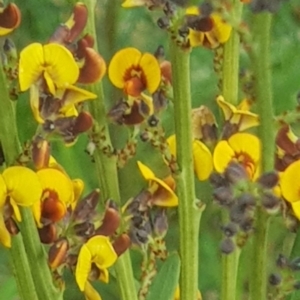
(203, 164)
(10, 18)
(290, 186)
(162, 190)
(243, 148)
(97, 251)
(134, 72)
(208, 31)
(19, 186)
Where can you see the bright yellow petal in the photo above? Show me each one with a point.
(151, 70)
(23, 185)
(30, 65)
(172, 144)
(16, 210)
(73, 95)
(164, 195)
(55, 180)
(83, 267)
(290, 183)
(50, 83)
(192, 10)
(222, 156)
(5, 238)
(90, 293)
(247, 120)
(36, 210)
(121, 62)
(146, 172)
(34, 103)
(227, 108)
(3, 191)
(102, 251)
(78, 186)
(104, 275)
(296, 208)
(246, 143)
(133, 3)
(60, 65)
(203, 163)
(196, 38)
(221, 29)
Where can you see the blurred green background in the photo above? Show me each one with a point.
(118, 28)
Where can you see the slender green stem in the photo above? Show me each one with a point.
(107, 170)
(21, 269)
(37, 258)
(262, 72)
(230, 92)
(11, 148)
(231, 57)
(188, 214)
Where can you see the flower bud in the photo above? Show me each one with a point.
(121, 244)
(48, 233)
(58, 253)
(268, 180)
(83, 122)
(160, 223)
(110, 222)
(275, 279)
(235, 172)
(271, 203)
(40, 153)
(227, 246)
(223, 195)
(230, 229)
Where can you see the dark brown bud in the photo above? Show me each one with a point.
(83, 123)
(58, 253)
(227, 246)
(166, 71)
(10, 16)
(48, 233)
(121, 244)
(40, 153)
(235, 173)
(230, 229)
(217, 180)
(223, 195)
(160, 223)
(110, 222)
(11, 226)
(86, 207)
(274, 279)
(268, 180)
(271, 203)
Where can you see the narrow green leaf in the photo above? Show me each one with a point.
(165, 282)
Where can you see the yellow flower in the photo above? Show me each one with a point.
(10, 18)
(21, 186)
(236, 118)
(177, 294)
(208, 31)
(243, 148)
(98, 251)
(52, 63)
(203, 164)
(134, 72)
(162, 190)
(59, 193)
(290, 186)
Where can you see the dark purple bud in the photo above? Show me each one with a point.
(223, 195)
(235, 172)
(227, 246)
(230, 229)
(274, 279)
(268, 180)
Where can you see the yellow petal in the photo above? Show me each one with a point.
(121, 62)
(172, 144)
(203, 163)
(296, 208)
(102, 251)
(246, 143)
(34, 103)
(55, 180)
(164, 195)
(133, 3)
(60, 65)
(227, 108)
(247, 120)
(78, 186)
(73, 95)
(196, 38)
(23, 185)
(36, 210)
(146, 172)
(222, 156)
(3, 191)
(83, 267)
(221, 29)
(151, 70)
(5, 238)
(16, 210)
(30, 65)
(104, 275)
(90, 293)
(290, 184)
(192, 10)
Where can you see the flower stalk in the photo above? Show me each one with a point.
(262, 72)
(30, 261)
(107, 169)
(230, 92)
(189, 214)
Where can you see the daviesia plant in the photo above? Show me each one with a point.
(67, 240)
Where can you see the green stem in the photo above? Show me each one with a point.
(11, 148)
(230, 92)
(21, 269)
(107, 170)
(262, 72)
(231, 57)
(188, 214)
(37, 258)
